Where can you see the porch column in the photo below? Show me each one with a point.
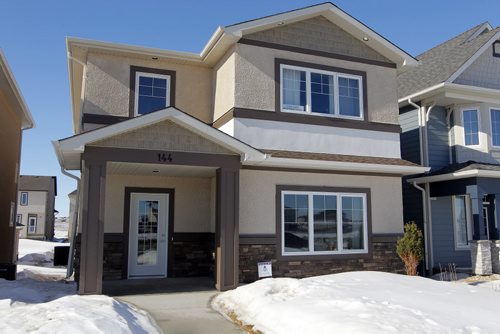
(226, 229)
(92, 240)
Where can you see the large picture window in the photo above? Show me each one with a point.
(471, 127)
(323, 223)
(319, 92)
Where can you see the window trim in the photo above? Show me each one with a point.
(279, 62)
(150, 75)
(336, 97)
(148, 70)
(468, 219)
(490, 109)
(28, 227)
(366, 253)
(21, 202)
(477, 109)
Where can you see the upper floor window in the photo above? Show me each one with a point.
(24, 198)
(152, 92)
(323, 223)
(471, 127)
(495, 127)
(320, 92)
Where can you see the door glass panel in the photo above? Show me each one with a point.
(147, 233)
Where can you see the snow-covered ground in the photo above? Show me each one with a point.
(362, 302)
(61, 227)
(42, 301)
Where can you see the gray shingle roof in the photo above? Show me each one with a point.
(37, 183)
(439, 63)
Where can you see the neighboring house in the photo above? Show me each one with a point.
(278, 142)
(35, 207)
(450, 119)
(14, 118)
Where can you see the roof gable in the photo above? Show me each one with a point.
(446, 60)
(319, 34)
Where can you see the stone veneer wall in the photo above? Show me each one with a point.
(192, 256)
(384, 258)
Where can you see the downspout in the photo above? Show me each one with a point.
(74, 223)
(448, 126)
(424, 206)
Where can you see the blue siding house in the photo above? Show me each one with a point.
(450, 120)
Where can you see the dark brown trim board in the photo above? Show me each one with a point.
(102, 119)
(134, 70)
(305, 119)
(317, 171)
(126, 224)
(277, 80)
(257, 239)
(280, 257)
(315, 52)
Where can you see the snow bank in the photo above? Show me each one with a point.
(37, 252)
(362, 302)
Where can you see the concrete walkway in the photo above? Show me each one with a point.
(183, 313)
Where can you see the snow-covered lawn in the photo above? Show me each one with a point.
(362, 302)
(41, 301)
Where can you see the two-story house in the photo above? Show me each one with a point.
(450, 119)
(36, 206)
(15, 117)
(278, 142)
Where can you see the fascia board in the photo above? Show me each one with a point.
(341, 166)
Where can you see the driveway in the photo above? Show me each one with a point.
(184, 312)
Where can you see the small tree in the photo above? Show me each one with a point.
(410, 248)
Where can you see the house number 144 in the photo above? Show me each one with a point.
(164, 157)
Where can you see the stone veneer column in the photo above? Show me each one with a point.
(226, 229)
(495, 256)
(92, 240)
(481, 257)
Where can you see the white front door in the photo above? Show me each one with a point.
(148, 235)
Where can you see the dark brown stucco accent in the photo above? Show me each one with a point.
(315, 52)
(103, 154)
(280, 257)
(277, 84)
(91, 261)
(226, 228)
(257, 239)
(102, 119)
(126, 224)
(318, 171)
(134, 70)
(266, 115)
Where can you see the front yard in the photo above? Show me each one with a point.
(362, 302)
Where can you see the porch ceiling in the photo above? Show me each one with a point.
(128, 168)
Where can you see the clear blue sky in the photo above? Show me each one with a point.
(32, 37)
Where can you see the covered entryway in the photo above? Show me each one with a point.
(154, 188)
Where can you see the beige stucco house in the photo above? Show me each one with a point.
(36, 206)
(15, 117)
(278, 142)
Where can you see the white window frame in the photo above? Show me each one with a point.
(30, 230)
(150, 75)
(21, 201)
(468, 217)
(336, 104)
(491, 127)
(463, 110)
(340, 235)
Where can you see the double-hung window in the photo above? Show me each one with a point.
(32, 221)
(461, 221)
(495, 126)
(471, 127)
(152, 92)
(320, 92)
(24, 198)
(323, 223)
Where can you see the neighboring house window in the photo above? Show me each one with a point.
(320, 92)
(19, 219)
(24, 198)
(471, 127)
(495, 126)
(32, 224)
(323, 223)
(461, 221)
(152, 92)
